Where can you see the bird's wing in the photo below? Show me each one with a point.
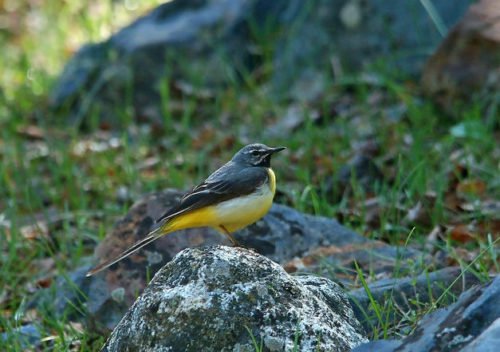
(228, 182)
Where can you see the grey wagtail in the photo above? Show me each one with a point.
(233, 197)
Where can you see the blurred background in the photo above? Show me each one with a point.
(389, 113)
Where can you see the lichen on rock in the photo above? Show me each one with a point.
(218, 298)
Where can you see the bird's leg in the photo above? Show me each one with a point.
(235, 243)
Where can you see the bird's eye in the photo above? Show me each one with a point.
(254, 153)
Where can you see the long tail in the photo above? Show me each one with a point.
(153, 235)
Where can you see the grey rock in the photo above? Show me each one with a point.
(285, 233)
(488, 341)
(27, 335)
(470, 324)
(210, 42)
(404, 290)
(323, 289)
(378, 346)
(217, 298)
(72, 288)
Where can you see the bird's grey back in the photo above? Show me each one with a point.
(226, 171)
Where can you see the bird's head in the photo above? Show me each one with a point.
(256, 155)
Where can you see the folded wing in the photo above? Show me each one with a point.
(220, 186)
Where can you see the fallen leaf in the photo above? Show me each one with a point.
(148, 163)
(105, 126)
(226, 143)
(31, 131)
(461, 233)
(34, 231)
(190, 90)
(489, 226)
(36, 150)
(490, 207)
(471, 187)
(44, 283)
(204, 136)
(44, 264)
(83, 148)
(418, 214)
(452, 201)
(462, 254)
(433, 237)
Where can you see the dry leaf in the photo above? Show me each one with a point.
(433, 237)
(35, 231)
(471, 187)
(418, 215)
(31, 131)
(461, 233)
(148, 163)
(83, 148)
(205, 135)
(190, 90)
(489, 226)
(44, 283)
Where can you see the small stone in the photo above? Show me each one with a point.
(118, 294)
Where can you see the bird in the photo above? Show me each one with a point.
(236, 195)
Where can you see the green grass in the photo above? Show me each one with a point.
(78, 183)
(394, 321)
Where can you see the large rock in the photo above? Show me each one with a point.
(208, 43)
(467, 63)
(470, 324)
(222, 298)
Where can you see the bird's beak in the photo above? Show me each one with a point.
(275, 150)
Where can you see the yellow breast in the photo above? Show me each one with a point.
(272, 180)
(240, 212)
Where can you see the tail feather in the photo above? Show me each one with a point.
(153, 235)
